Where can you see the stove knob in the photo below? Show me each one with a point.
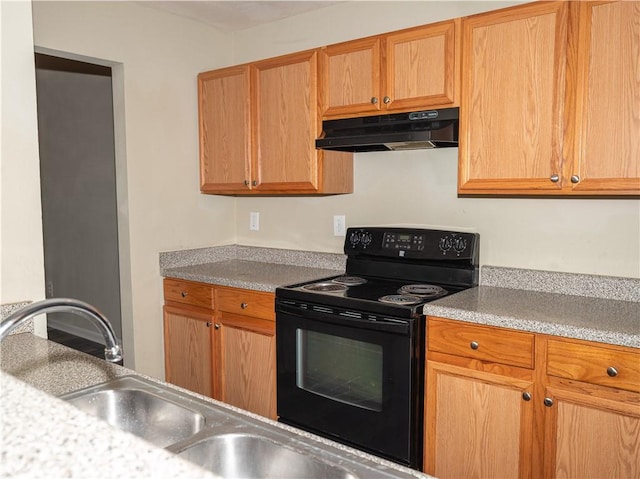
(459, 245)
(354, 239)
(366, 239)
(445, 244)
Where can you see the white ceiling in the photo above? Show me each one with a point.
(233, 15)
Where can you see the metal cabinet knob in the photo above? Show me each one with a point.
(386, 100)
(612, 372)
(554, 178)
(246, 182)
(575, 179)
(374, 100)
(254, 183)
(184, 294)
(548, 402)
(208, 324)
(217, 326)
(474, 345)
(526, 396)
(244, 305)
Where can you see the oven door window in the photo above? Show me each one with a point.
(341, 369)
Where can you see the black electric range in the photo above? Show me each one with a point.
(350, 348)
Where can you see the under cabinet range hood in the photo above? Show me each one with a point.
(398, 131)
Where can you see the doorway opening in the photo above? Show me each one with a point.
(80, 188)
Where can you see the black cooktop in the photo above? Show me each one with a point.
(393, 271)
(375, 295)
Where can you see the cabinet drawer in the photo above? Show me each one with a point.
(248, 303)
(187, 292)
(481, 342)
(594, 364)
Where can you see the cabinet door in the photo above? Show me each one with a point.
(477, 424)
(511, 123)
(246, 373)
(592, 433)
(607, 143)
(287, 123)
(225, 130)
(350, 75)
(420, 67)
(188, 349)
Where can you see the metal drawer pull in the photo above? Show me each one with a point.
(184, 294)
(474, 345)
(548, 402)
(612, 372)
(526, 396)
(244, 305)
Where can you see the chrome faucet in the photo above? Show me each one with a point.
(112, 351)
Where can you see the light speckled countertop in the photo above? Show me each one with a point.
(580, 317)
(45, 437)
(604, 309)
(595, 308)
(260, 269)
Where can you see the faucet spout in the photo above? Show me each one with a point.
(112, 351)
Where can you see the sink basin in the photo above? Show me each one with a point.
(143, 413)
(220, 439)
(253, 456)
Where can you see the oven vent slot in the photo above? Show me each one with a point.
(322, 309)
(351, 314)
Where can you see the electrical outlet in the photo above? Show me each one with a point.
(339, 225)
(254, 221)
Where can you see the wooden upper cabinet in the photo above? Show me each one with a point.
(350, 74)
(514, 64)
(400, 71)
(550, 100)
(258, 126)
(421, 67)
(287, 126)
(607, 130)
(225, 130)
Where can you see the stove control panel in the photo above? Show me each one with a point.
(403, 241)
(412, 243)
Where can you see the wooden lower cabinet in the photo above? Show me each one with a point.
(188, 349)
(246, 371)
(591, 410)
(575, 413)
(477, 423)
(245, 345)
(220, 342)
(479, 408)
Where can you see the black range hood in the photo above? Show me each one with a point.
(398, 131)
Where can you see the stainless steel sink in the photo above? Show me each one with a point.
(142, 413)
(223, 440)
(253, 456)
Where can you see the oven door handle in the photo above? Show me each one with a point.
(381, 323)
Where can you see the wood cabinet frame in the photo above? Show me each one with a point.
(568, 378)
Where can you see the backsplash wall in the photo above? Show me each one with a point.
(591, 236)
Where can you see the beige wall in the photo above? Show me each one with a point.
(21, 253)
(156, 56)
(419, 187)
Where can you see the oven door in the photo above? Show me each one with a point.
(351, 379)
